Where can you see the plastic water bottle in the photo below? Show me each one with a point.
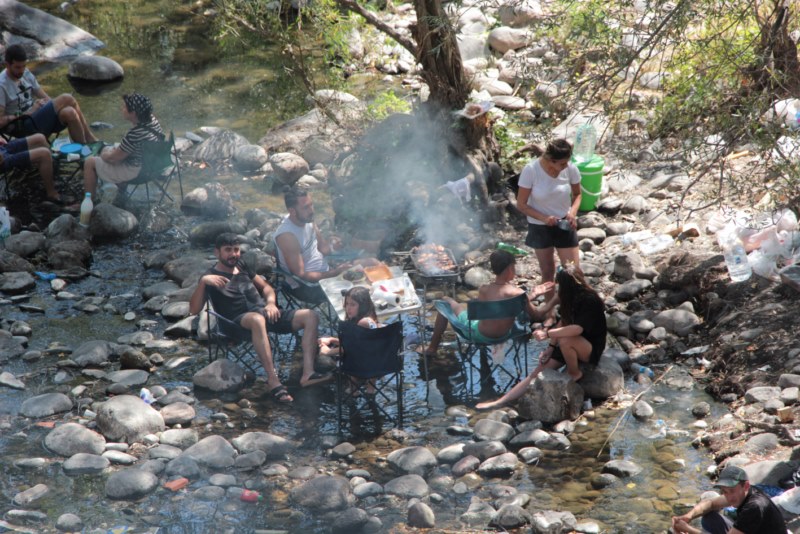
(735, 257)
(146, 396)
(86, 209)
(585, 141)
(511, 249)
(642, 369)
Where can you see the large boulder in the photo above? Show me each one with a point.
(603, 380)
(95, 69)
(212, 451)
(504, 39)
(221, 376)
(70, 439)
(25, 243)
(220, 146)
(127, 418)
(288, 167)
(14, 283)
(10, 262)
(45, 405)
(551, 397)
(212, 201)
(111, 222)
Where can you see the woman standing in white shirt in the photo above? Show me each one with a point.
(549, 195)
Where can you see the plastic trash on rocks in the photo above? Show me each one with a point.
(786, 149)
(655, 244)
(734, 253)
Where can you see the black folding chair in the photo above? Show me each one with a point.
(514, 368)
(370, 356)
(160, 164)
(227, 339)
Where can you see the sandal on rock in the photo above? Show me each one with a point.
(316, 379)
(280, 394)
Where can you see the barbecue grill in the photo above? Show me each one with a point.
(435, 264)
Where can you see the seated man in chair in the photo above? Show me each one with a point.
(21, 95)
(503, 265)
(249, 301)
(302, 248)
(32, 151)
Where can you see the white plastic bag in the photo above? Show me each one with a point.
(5, 224)
(763, 265)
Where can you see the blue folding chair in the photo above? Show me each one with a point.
(513, 368)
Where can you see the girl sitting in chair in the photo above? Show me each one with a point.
(359, 309)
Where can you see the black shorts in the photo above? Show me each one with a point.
(543, 236)
(282, 326)
(311, 294)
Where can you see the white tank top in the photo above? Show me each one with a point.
(313, 260)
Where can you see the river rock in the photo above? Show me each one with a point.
(191, 266)
(678, 321)
(628, 265)
(520, 14)
(603, 380)
(165, 288)
(10, 262)
(249, 158)
(641, 410)
(173, 311)
(479, 514)
(85, 464)
(787, 380)
(69, 254)
(273, 446)
(351, 520)
(768, 472)
(632, 289)
(120, 458)
(110, 222)
(343, 450)
(45, 405)
(127, 418)
(11, 381)
(447, 455)
(69, 523)
(761, 444)
(489, 430)
(205, 233)
(71, 438)
(30, 495)
(180, 438)
(762, 394)
(530, 455)
(288, 167)
(134, 359)
(504, 39)
(96, 69)
(420, 515)
(178, 413)
(25, 243)
(164, 451)
(221, 145)
(473, 47)
(220, 376)
(407, 486)
(92, 353)
(212, 451)
(499, 466)
(552, 522)
(412, 460)
(368, 489)
(129, 377)
(183, 466)
(465, 465)
(477, 277)
(212, 201)
(510, 103)
(622, 468)
(324, 493)
(551, 397)
(130, 484)
(484, 450)
(511, 516)
(15, 283)
(24, 517)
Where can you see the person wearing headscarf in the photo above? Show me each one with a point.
(122, 163)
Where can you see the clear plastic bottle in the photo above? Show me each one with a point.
(585, 141)
(86, 209)
(735, 257)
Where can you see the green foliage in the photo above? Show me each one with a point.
(385, 104)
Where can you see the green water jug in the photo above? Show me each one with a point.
(591, 182)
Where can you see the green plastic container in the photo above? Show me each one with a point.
(591, 182)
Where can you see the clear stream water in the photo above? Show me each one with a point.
(168, 52)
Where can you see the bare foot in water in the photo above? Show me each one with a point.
(490, 404)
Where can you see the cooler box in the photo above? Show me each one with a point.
(591, 181)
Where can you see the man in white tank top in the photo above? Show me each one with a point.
(302, 248)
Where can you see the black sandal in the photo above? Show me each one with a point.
(281, 394)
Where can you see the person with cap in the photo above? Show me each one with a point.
(122, 163)
(755, 511)
(21, 96)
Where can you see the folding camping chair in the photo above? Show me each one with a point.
(370, 356)
(488, 363)
(229, 340)
(160, 164)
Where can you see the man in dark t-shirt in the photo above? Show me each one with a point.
(249, 301)
(755, 512)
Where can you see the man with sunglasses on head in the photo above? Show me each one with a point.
(22, 96)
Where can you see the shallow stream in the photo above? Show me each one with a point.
(168, 53)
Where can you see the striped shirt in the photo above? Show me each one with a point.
(132, 141)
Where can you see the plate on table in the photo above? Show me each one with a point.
(339, 285)
(71, 148)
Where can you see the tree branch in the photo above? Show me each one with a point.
(373, 20)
